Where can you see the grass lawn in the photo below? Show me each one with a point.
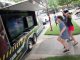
(62, 58)
(56, 29)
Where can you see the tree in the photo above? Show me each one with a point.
(66, 2)
(76, 3)
(52, 3)
(56, 3)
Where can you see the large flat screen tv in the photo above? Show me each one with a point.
(15, 27)
(30, 21)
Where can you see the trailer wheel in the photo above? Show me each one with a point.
(34, 38)
(30, 45)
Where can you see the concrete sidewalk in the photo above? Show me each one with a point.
(48, 46)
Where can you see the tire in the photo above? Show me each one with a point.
(34, 39)
(30, 45)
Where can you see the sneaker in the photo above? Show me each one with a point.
(75, 44)
(66, 50)
(64, 47)
(69, 40)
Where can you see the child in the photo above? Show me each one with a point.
(63, 33)
(70, 27)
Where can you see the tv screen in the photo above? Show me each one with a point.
(15, 27)
(30, 21)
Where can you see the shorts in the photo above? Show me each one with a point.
(71, 28)
(65, 37)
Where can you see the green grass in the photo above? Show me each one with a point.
(62, 58)
(56, 29)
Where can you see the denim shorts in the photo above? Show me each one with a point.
(64, 37)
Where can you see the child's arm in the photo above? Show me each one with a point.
(62, 30)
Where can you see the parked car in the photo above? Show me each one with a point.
(76, 14)
(44, 18)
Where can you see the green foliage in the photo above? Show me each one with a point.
(52, 3)
(55, 3)
(64, 2)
